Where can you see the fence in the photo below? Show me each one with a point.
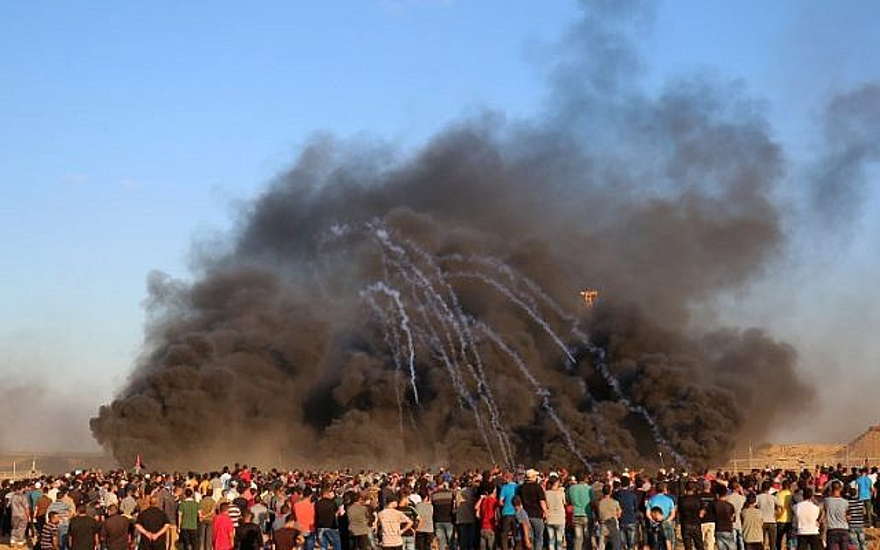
(746, 463)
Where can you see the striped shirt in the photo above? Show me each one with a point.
(856, 512)
(234, 514)
(47, 536)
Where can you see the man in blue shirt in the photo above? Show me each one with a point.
(629, 504)
(508, 512)
(866, 494)
(666, 505)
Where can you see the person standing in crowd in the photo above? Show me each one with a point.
(690, 514)
(865, 486)
(655, 536)
(20, 514)
(49, 539)
(724, 513)
(783, 515)
(736, 498)
(767, 505)
(286, 537)
(359, 522)
(62, 507)
(116, 530)
(834, 511)
(406, 506)
(205, 535)
(304, 511)
(609, 515)
(534, 502)
(522, 535)
(506, 494)
(248, 535)
(487, 513)
(391, 522)
(752, 524)
(855, 514)
(425, 528)
(223, 530)
(465, 517)
(707, 521)
(807, 517)
(555, 495)
(188, 521)
(629, 509)
(84, 531)
(666, 505)
(327, 520)
(41, 508)
(153, 526)
(444, 508)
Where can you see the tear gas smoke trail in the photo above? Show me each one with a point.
(434, 342)
(459, 325)
(462, 324)
(542, 392)
(404, 326)
(458, 383)
(598, 353)
(392, 340)
(519, 302)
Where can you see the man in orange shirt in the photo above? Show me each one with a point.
(304, 512)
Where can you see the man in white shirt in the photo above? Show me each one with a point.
(807, 514)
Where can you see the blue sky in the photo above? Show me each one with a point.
(128, 129)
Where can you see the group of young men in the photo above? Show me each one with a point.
(243, 508)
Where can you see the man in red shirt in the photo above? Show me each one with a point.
(487, 512)
(224, 531)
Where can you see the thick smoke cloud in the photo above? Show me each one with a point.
(852, 142)
(662, 202)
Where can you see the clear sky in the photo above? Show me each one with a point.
(128, 129)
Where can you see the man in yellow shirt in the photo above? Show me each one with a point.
(783, 515)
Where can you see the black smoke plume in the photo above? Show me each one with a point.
(663, 202)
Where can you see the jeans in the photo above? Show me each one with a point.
(206, 535)
(508, 530)
(537, 525)
(327, 537)
(738, 535)
(669, 532)
(610, 534)
(837, 539)
(692, 536)
(487, 539)
(309, 543)
(556, 537)
(467, 536)
(628, 536)
(581, 532)
(444, 532)
(62, 535)
(725, 540)
(857, 537)
(409, 542)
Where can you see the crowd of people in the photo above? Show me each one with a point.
(242, 508)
